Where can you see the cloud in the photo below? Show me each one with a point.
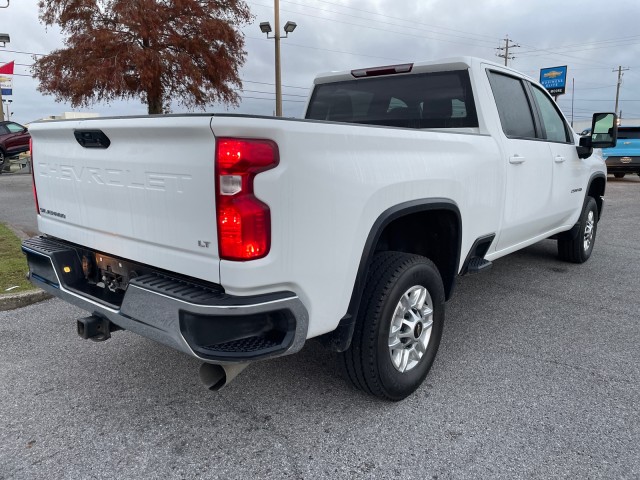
(348, 34)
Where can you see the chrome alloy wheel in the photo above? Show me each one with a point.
(410, 329)
(588, 230)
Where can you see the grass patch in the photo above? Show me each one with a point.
(13, 264)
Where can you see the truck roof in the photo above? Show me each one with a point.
(452, 63)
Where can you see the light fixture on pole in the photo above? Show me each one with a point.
(4, 39)
(265, 27)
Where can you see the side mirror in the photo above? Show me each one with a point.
(604, 130)
(584, 148)
(604, 134)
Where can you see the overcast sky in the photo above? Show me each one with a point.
(347, 34)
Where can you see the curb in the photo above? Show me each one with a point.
(19, 300)
(23, 299)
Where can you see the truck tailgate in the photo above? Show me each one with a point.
(148, 197)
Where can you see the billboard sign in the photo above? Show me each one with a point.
(554, 79)
(6, 78)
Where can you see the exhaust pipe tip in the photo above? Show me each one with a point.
(216, 377)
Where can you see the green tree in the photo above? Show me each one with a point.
(155, 50)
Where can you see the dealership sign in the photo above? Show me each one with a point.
(554, 79)
(6, 78)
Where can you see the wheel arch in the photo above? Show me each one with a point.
(596, 188)
(382, 237)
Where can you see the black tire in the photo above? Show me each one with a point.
(368, 362)
(3, 159)
(575, 249)
(619, 175)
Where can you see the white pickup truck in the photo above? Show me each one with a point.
(235, 238)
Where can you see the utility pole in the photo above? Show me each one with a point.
(508, 43)
(620, 75)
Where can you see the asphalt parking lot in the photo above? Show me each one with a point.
(538, 376)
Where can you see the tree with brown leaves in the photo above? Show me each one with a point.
(156, 50)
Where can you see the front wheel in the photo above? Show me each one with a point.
(398, 328)
(578, 249)
(618, 175)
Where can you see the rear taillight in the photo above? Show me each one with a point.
(33, 177)
(244, 222)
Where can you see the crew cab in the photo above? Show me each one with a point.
(236, 238)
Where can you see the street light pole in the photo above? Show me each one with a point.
(265, 27)
(4, 39)
(278, 71)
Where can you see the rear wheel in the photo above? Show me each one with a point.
(3, 158)
(578, 249)
(618, 175)
(398, 328)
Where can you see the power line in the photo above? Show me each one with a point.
(374, 28)
(412, 21)
(243, 80)
(327, 49)
(260, 91)
(388, 23)
(272, 99)
(24, 53)
(554, 53)
(559, 47)
(271, 83)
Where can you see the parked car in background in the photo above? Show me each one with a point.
(14, 139)
(625, 156)
(585, 132)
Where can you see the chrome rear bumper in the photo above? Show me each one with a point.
(198, 319)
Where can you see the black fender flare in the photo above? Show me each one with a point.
(591, 180)
(573, 231)
(340, 339)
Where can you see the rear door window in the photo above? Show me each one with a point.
(425, 100)
(515, 111)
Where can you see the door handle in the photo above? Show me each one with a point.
(559, 159)
(516, 159)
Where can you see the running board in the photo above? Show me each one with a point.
(478, 265)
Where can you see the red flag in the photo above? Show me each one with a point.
(7, 69)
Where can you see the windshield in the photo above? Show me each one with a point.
(427, 100)
(629, 133)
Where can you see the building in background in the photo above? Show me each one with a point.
(68, 116)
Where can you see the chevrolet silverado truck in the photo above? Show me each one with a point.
(236, 238)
